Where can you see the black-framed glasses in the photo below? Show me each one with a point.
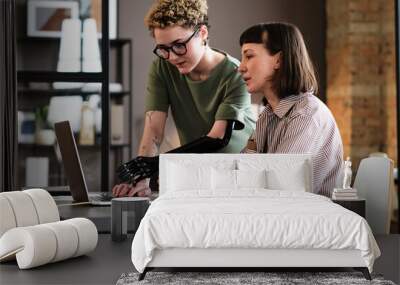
(162, 51)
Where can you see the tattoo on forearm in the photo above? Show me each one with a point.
(155, 142)
(149, 114)
(156, 145)
(152, 141)
(143, 149)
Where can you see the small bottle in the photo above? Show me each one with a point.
(347, 174)
(86, 135)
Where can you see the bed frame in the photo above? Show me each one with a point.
(250, 258)
(242, 259)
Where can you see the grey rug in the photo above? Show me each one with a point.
(229, 278)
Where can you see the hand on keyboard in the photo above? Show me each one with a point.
(141, 189)
(106, 196)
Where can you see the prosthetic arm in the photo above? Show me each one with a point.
(143, 167)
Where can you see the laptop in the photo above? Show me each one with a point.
(73, 168)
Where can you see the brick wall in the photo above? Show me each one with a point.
(361, 83)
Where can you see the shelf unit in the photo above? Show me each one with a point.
(67, 92)
(79, 146)
(113, 42)
(52, 76)
(102, 77)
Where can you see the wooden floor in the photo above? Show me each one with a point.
(111, 259)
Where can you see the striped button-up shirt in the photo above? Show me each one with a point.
(302, 124)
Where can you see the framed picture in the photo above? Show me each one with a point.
(92, 9)
(45, 17)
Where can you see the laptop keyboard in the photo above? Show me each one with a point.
(106, 196)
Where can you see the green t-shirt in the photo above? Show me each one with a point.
(196, 105)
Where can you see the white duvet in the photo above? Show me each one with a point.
(251, 218)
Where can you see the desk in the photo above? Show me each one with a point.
(99, 215)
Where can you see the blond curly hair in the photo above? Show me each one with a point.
(185, 13)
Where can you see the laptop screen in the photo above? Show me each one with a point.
(71, 161)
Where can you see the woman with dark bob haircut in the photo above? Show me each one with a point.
(275, 62)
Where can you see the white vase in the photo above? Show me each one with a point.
(98, 120)
(45, 137)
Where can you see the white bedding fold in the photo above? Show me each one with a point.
(251, 218)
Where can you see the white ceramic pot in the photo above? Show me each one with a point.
(45, 137)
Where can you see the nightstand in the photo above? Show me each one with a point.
(357, 206)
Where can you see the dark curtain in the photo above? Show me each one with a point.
(8, 97)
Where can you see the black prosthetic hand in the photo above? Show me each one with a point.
(143, 167)
(138, 169)
(206, 144)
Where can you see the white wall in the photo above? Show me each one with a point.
(228, 19)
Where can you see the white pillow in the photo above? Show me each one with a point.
(223, 179)
(182, 177)
(285, 174)
(251, 178)
(235, 179)
(291, 179)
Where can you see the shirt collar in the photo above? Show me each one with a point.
(284, 105)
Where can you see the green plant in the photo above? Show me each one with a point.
(41, 117)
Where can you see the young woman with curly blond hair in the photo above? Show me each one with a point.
(207, 96)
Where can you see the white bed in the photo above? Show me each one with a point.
(219, 210)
